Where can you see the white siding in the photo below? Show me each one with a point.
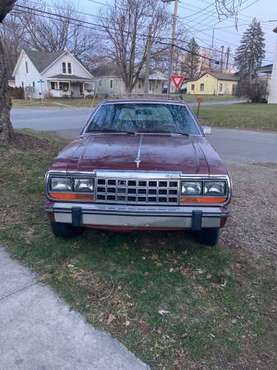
(76, 67)
(30, 77)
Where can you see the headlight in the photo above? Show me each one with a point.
(84, 185)
(215, 188)
(191, 188)
(60, 184)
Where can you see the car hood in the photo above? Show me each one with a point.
(149, 152)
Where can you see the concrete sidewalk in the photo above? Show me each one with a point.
(39, 331)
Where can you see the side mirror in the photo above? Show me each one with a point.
(207, 130)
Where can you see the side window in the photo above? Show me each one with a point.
(111, 84)
(26, 67)
(34, 84)
(202, 87)
(192, 87)
(100, 83)
(64, 67)
(69, 68)
(220, 87)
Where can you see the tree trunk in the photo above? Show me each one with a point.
(6, 129)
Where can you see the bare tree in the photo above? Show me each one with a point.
(12, 33)
(132, 27)
(227, 8)
(51, 28)
(6, 130)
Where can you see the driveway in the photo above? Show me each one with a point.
(39, 331)
(233, 145)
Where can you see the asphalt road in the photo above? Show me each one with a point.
(233, 145)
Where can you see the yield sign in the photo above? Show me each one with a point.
(177, 80)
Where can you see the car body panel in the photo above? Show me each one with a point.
(142, 154)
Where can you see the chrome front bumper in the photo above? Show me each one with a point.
(152, 217)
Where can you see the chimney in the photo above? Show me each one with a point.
(272, 99)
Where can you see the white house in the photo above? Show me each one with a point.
(109, 82)
(272, 99)
(57, 74)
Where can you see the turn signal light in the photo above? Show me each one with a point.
(202, 200)
(72, 196)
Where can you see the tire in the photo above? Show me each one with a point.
(65, 231)
(208, 236)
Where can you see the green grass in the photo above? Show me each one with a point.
(206, 98)
(244, 116)
(221, 303)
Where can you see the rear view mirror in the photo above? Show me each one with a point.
(207, 130)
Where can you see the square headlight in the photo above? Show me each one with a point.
(84, 185)
(191, 188)
(215, 188)
(60, 184)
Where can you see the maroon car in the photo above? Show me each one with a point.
(139, 165)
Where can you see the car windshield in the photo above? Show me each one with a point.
(144, 118)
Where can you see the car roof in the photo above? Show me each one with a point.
(139, 100)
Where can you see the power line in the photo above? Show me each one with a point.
(95, 26)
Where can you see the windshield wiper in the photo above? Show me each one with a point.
(162, 132)
(114, 131)
(181, 133)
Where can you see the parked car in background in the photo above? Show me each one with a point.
(139, 165)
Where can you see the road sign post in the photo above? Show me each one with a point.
(178, 81)
(199, 100)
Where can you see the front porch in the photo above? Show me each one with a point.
(69, 87)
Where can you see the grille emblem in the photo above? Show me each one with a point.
(137, 161)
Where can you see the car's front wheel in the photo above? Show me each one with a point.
(65, 231)
(208, 236)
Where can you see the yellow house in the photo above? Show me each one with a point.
(213, 83)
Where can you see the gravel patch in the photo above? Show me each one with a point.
(253, 221)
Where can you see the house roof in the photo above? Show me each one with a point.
(42, 59)
(112, 70)
(224, 76)
(219, 76)
(69, 77)
(155, 76)
(106, 69)
(266, 69)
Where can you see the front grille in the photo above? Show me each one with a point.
(137, 191)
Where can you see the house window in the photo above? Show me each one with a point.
(53, 85)
(202, 87)
(64, 86)
(22, 84)
(26, 67)
(111, 84)
(139, 84)
(64, 67)
(220, 87)
(100, 83)
(69, 69)
(192, 87)
(34, 84)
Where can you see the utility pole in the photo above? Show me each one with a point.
(147, 64)
(213, 39)
(221, 58)
(173, 41)
(227, 58)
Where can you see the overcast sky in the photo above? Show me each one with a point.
(200, 16)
